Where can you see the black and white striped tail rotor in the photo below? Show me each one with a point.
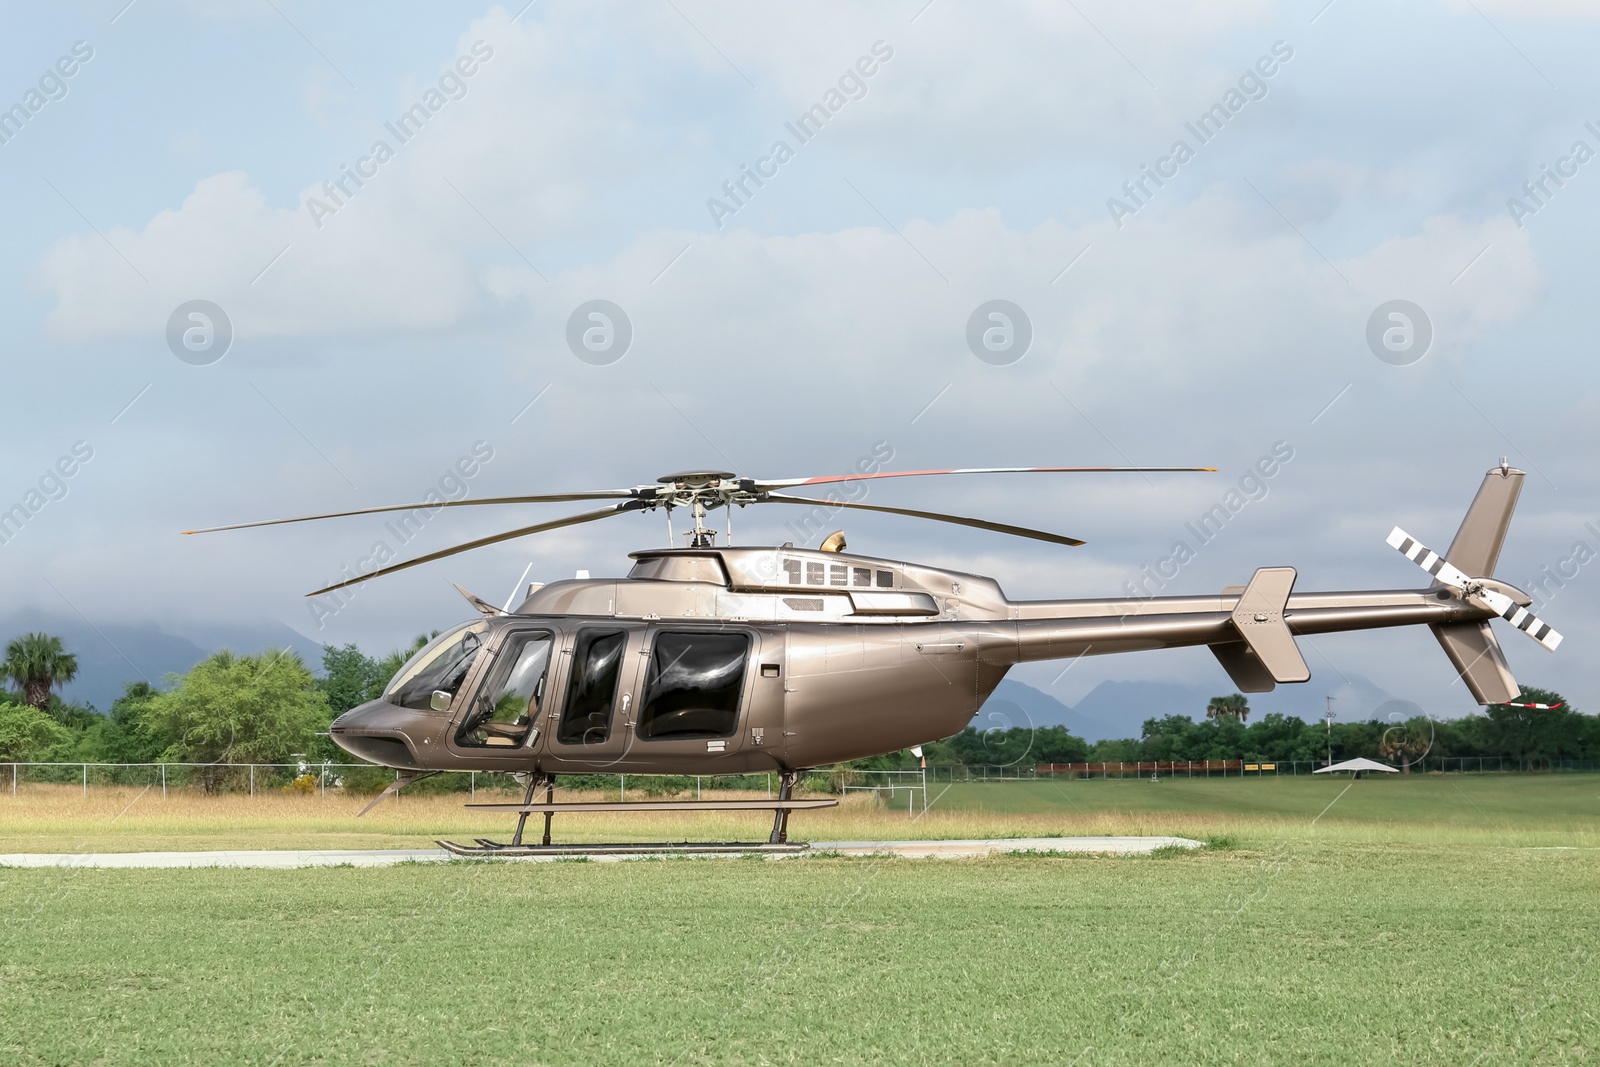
(1498, 602)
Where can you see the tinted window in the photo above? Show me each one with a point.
(505, 711)
(596, 666)
(694, 686)
(442, 665)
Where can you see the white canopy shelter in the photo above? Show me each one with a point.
(1360, 763)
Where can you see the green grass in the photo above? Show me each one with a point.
(1413, 920)
(1306, 953)
(1552, 801)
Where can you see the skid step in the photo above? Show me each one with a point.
(486, 847)
(660, 805)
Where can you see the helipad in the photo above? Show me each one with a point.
(389, 857)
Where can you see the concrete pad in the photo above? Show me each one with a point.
(292, 859)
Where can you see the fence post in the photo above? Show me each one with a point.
(85, 779)
(324, 780)
(252, 779)
(163, 781)
(473, 784)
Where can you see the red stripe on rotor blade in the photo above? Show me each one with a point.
(826, 479)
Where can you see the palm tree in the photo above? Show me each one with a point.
(38, 663)
(1235, 707)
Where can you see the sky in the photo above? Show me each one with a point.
(396, 219)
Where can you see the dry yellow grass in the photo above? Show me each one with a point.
(51, 818)
(59, 818)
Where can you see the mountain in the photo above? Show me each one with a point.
(112, 654)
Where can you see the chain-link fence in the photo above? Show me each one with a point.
(895, 786)
(363, 779)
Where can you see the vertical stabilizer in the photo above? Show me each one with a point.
(1477, 545)
(1477, 658)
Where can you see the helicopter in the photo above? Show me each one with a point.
(716, 659)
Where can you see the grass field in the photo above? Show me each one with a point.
(1424, 809)
(1422, 921)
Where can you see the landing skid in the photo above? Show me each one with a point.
(495, 849)
(777, 842)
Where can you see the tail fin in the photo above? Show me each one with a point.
(1476, 548)
(1477, 657)
(1471, 646)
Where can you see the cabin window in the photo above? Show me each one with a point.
(596, 668)
(838, 574)
(814, 574)
(505, 713)
(694, 686)
(791, 567)
(886, 579)
(441, 666)
(861, 577)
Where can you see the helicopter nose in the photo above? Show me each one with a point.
(382, 733)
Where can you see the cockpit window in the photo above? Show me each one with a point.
(440, 666)
(506, 709)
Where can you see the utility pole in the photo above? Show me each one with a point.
(1327, 717)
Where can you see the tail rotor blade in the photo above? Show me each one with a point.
(1520, 617)
(1427, 559)
(1450, 575)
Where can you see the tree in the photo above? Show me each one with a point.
(1527, 734)
(121, 735)
(37, 663)
(349, 678)
(1407, 741)
(1235, 707)
(26, 732)
(238, 709)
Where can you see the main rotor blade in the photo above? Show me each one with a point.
(981, 524)
(548, 498)
(570, 520)
(790, 483)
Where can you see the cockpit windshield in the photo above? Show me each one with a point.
(442, 665)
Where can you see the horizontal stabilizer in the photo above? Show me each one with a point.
(1268, 654)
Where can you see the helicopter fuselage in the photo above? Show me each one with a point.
(743, 660)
